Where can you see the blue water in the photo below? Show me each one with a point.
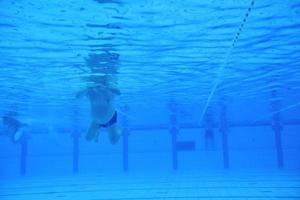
(209, 104)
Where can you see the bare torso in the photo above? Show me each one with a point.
(102, 104)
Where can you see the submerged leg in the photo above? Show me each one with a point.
(92, 131)
(114, 133)
(96, 139)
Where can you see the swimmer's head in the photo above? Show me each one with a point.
(9, 115)
(9, 120)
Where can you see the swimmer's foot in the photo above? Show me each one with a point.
(18, 135)
(114, 134)
(96, 139)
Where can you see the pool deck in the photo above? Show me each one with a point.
(216, 186)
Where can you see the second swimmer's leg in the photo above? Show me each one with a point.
(92, 131)
(96, 139)
(114, 133)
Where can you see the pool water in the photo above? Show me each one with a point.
(206, 95)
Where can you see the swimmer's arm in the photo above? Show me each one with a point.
(81, 68)
(23, 124)
(115, 91)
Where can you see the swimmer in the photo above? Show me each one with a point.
(12, 128)
(209, 137)
(102, 96)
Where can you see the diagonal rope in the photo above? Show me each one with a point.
(226, 58)
(277, 112)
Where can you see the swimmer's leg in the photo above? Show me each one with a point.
(96, 139)
(92, 131)
(114, 133)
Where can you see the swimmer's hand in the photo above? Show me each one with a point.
(115, 91)
(23, 124)
(81, 93)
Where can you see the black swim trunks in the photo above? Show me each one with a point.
(111, 122)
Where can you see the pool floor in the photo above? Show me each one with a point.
(221, 185)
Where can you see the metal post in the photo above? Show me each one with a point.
(76, 136)
(125, 150)
(224, 132)
(125, 141)
(23, 163)
(174, 131)
(277, 128)
(75, 153)
(208, 129)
